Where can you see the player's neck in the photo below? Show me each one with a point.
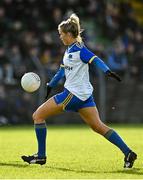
(72, 42)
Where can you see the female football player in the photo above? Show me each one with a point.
(77, 94)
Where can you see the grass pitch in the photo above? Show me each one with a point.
(73, 152)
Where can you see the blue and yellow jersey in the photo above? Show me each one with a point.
(75, 68)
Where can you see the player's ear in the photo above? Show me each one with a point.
(69, 34)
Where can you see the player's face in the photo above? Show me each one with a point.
(66, 38)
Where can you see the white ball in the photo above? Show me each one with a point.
(30, 82)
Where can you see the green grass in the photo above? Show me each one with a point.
(73, 152)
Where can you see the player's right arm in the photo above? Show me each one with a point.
(54, 81)
(58, 76)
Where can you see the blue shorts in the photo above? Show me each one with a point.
(71, 102)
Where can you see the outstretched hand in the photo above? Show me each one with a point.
(48, 90)
(113, 75)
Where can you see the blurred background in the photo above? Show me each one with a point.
(29, 41)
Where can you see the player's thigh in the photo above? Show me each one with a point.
(91, 116)
(47, 109)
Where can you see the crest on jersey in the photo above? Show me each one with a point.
(70, 56)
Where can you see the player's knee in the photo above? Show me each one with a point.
(100, 128)
(97, 128)
(36, 118)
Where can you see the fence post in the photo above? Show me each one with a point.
(102, 95)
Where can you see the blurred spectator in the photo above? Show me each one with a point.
(17, 61)
(3, 106)
(117, 60)
(6, 69)
(29, 34)
(130, 53)
(128, 37)
(111, 22)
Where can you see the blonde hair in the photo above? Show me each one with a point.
(72, 25)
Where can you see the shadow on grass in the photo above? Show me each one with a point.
(125, 171)
(131, 171)
(136, 171)
(15, 164)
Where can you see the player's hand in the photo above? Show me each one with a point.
(113, 75)
(48, 90)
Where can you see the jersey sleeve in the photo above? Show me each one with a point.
(100, 64)
(89, 57)
(58, 76)
(86, 55)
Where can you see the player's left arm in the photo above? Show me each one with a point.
(89, 57)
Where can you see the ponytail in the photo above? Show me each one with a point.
(75, 19)
(72, 25)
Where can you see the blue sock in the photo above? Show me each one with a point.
(114, 138)
(41, 132)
